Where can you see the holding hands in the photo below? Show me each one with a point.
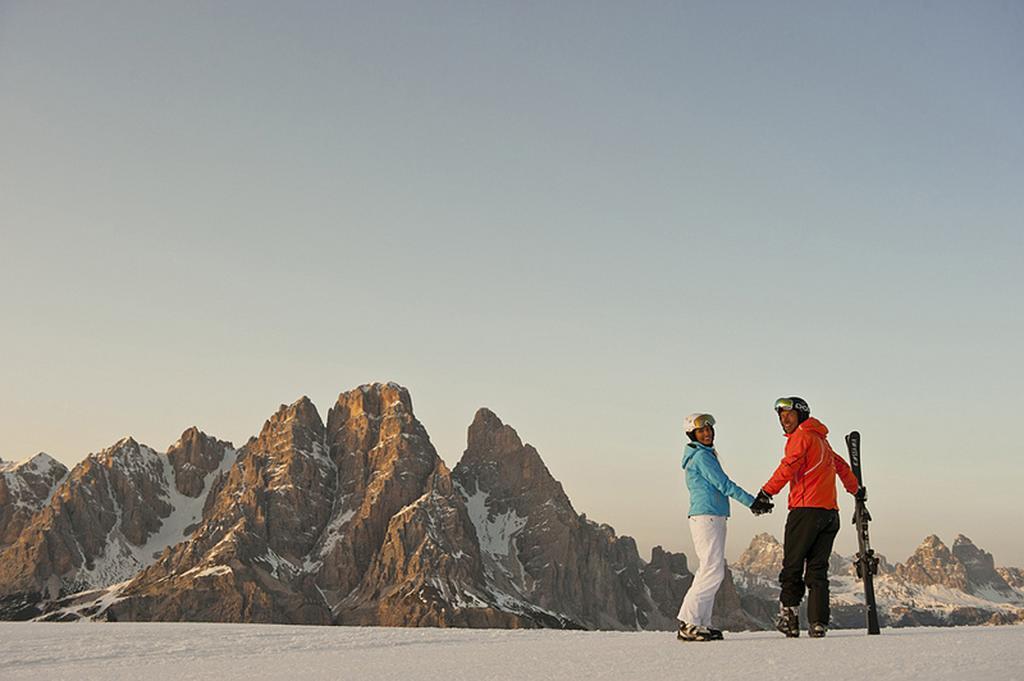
(762, 503)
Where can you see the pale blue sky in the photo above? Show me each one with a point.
(592, 218)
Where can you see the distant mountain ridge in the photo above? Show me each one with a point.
(357, 520)
(936, 586)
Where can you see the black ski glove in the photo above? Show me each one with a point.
(861, 495)
(762, 503)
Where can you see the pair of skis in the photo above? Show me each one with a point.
(867, 561)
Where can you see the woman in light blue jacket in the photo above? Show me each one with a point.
(710, 489)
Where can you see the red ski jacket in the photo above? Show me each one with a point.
(810, 467)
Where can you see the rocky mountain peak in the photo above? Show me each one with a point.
(385, 461)
(674, 562)
(489, 437)
(296, 426)
(125, 452)
(363, 418)
(428, 570)
(979, 565)
(194, 456)
(127, 442)
(764, 540)
(245, 560)
(667, 578)
(962, 539)
(25, 487)
(108, 506)
(763, 556)
(40, 463)
(933, 550)
(933, 563)
(497, 462)
(373, 401)
(189, 435)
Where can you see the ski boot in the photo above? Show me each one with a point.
(817, 630)
(693, 632)
(788, 622)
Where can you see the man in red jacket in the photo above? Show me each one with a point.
(810, 467)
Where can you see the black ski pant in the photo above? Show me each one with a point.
(810, 533)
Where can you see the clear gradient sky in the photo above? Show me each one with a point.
(591, 217)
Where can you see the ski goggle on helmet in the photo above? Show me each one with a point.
(792, 403)
(697, 421)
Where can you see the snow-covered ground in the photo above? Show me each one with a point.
(243, 652)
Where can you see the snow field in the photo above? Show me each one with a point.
(244, 652)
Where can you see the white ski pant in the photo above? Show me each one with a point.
(708, 532)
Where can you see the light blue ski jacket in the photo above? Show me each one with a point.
(710, 488)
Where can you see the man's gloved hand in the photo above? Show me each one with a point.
(762, 503)
(861, 495)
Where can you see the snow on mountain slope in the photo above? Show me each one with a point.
(25, 487)
(121, 558)
(24, 478)
(245, 652)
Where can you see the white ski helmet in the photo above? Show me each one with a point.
(697, 420)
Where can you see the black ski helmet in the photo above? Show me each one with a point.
(799, 404)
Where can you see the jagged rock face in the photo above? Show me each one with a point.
(496, 459)
(617, 595)
(194, 456)
(667, 578)
(401, 549)
(763, 557)
(108, 519)
(357, 522)
(246, 561)
(384, 460)
(531, 538)
(979, 565)
(289, 483)
(934, 563)
(428, 571)
(117, 489)
(1012, 576)
(24, 489)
